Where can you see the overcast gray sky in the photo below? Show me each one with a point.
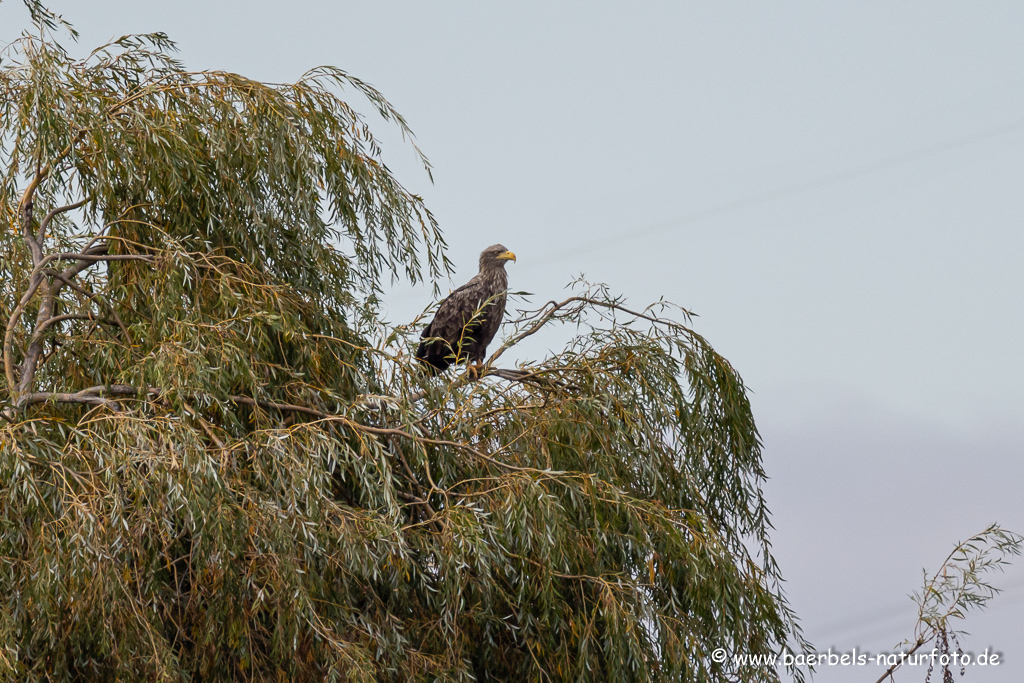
(835, 188)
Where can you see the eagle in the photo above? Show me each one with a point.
(467, 320)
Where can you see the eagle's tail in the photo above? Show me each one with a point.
(434, 356)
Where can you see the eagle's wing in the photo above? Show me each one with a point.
(465, 322)
(442, 339)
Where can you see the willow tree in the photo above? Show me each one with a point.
(217, 463)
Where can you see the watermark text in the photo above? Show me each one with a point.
(856, 657)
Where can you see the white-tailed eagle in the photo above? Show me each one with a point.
(466, 321)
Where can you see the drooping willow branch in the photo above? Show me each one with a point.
(956, 586)
(94, 396)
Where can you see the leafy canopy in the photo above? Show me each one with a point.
(218, 463)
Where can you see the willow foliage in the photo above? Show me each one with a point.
(216, 463)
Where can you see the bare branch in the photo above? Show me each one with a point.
(95, 258)
(56, 397)
(26, 230)
(45, 223)
(546, 316)
(35, 345)
(119, 390)
(72, 316)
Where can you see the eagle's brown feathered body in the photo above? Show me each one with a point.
(466, 321)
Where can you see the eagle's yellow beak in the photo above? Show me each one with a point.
(507, 256)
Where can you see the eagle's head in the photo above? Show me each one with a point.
(495, 256)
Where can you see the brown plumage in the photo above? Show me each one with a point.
(466, 321)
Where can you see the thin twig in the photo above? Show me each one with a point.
(889, 672)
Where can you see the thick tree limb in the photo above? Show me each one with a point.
(119, 390)
(26, 231)
(38, 275)
(9, 333)
(57, 397)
